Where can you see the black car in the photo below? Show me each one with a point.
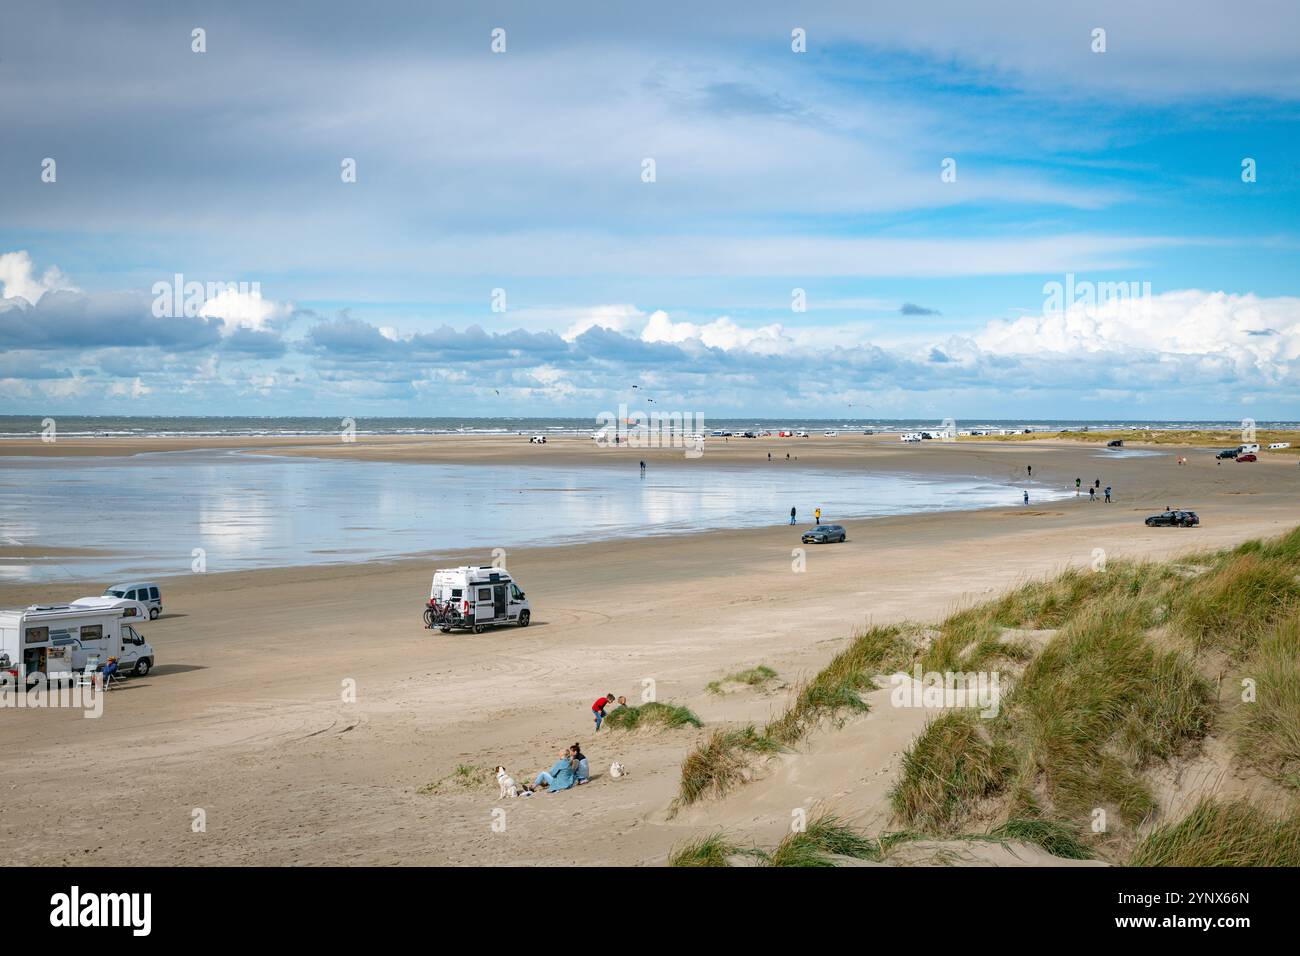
(1174, 519)
(1228, 453)
(1115, 443)
(824, 534)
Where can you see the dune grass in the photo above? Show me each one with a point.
(1096, 705)
(948, 768)
(712, 850)
(839, 686)
(1223, 833)
(653, 714)
(721, 762)
(824, 837)
(1268, 728)
(1239, 601)
(753, 677)
(1058, 839)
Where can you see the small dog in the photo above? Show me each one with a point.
(617, 770)
(507, 784)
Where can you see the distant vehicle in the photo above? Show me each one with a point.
(1247, 449)
(1115, 443)
(910, 437)
(475, 598)
(748, 435)
(698, 437)
(868, 432)
(726, 435)
(1174, 519)
(718, 433)
(1279, 444)
(831, 434)
(801, 434)
(57, 639)
(1249, 456)
(537, 440)
(1227, 453)
(147, 594)
(824, 534)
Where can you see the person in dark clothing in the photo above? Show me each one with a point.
(792, 516)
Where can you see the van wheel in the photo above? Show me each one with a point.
(445, 629)
(153, 614)
(478, 628)
(142, 667)
(523, 618)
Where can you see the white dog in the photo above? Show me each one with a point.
(617, 770)
(507, 784)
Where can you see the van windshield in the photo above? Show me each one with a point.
(116, 594)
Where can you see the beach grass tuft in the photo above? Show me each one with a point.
(653, 714)
(721, 762)
(753, 677)
(949, 767)
(1223, 833)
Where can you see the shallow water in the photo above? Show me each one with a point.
(149, 513)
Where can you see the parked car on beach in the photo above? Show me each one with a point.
(146, 593)
(1249, 456)
(824, 534)
(537, 440)
(1227, 453)
(1174, 519)
(1115, 443)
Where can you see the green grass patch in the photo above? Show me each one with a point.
(653, 714)
(721, 762)
(1268, 728)
(1058, 839)
(1233, 606)
(949, 768)
(1223, 833)
(823, 837)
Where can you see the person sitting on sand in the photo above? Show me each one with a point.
(584, 769)
(562, 775)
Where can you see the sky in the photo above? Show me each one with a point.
(827, 209)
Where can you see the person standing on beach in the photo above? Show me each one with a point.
(1026, 496)
(1092, 493)
(818, 515)
(792, 516)
(769, 458)
(598, 708)
(643, 466)
(1077, 483)
(1030, 470)
(1108, 494)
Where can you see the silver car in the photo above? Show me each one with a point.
(147, 594)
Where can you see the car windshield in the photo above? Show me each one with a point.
(116, 594)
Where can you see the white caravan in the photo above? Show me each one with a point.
(477, 598)
(58, 639)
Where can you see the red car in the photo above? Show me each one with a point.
(1246, 458)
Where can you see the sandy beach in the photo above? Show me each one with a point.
(244, 716)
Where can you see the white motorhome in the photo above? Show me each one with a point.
(1248, 449)
(475, 597)
(58, 639)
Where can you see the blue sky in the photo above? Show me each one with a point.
(774, 171)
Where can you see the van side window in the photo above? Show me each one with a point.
(153, 594)
(515, 592)
(485, 594)
(37, 635)
(130, 595)
(456, 593)
(92, 632)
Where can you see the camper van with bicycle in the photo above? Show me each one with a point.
(475, 598)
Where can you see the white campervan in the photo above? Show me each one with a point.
(58, 639)
(476, 598)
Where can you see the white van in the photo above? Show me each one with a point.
(1247, 449)
(57, 639)
(475, 597)
(146, 593)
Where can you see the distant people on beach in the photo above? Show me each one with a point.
(1092, 493)
(583, 772)
(1078, 483)
(1030, 470)
(1026, 497)
(1108, 494)
(818, 515)
(792, 516)
(642, 466)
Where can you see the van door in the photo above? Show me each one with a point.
(484, 610)
(128, 648)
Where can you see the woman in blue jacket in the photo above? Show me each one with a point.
(562, 775)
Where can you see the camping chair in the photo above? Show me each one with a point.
(113, 680)
(87, 675)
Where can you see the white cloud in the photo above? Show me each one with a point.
(246, 309)
(18, 278)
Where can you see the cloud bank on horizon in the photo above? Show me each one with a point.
(686, 202)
